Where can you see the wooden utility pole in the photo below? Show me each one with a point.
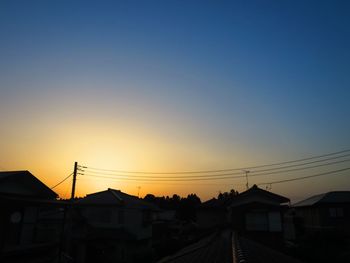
(74, 179)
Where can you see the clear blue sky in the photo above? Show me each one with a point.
(209, 84)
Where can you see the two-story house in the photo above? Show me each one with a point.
(112, 226)
(24, 202)
(325, 212)
(258, 214)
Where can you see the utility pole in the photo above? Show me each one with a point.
(74, 180)
(65, 237)
(246, 177)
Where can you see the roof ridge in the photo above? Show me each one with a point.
(114, 193)
(15, 171)
(256, 189)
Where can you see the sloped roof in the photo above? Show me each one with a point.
(214, 248)
(326, 198)
(219, 247)
(216, 203)
(116, 197)
(23, 183)
(254, 252)
(256, 194)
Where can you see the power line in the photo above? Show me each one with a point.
(305, 177)
(300, 169)
(181, 179)
(222, 170)
(62, 181)
(155, 180)
(302, 164)
(228, 175)
(159, 183)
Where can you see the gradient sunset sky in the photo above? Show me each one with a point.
(173, 86)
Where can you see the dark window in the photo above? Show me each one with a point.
(336, 212)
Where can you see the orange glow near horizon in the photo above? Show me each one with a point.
(50, 155)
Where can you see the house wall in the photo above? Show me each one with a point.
(11, 225)
(311, 216)
(139, 223)
(261, 223)
(114, 251)
(257, 218)
(28, 225)
(13, 187)
(136, 221)
(325, 216)
(209, 218)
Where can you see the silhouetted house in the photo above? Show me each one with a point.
(163, 229)
(112, 226)
(213, 213)
(258, 213)
(24, 201)
(24, 184)
(324, 212)
(318, 228)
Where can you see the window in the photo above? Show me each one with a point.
(275, 222)
(257, 222)
(336, 212)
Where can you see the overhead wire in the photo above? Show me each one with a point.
(61, 181)
(188, 176)
(178, 179)
(305, 177)
(158, 183)
(228, 175)
(228, 169)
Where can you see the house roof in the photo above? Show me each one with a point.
(116, 197)
(23, 183)
(221, 247)
(216, 203)
(326, 198)
(214, 248)
(254, 252)
(258, 195)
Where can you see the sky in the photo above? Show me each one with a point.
(173, 86)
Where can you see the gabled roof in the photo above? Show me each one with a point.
(23, 183)
(116, 198)
(326, 198)
(216, 203)
(258, 195)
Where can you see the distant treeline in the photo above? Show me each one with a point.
(185, 206)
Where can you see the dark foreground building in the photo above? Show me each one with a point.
(258, 214)
(30, 219)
